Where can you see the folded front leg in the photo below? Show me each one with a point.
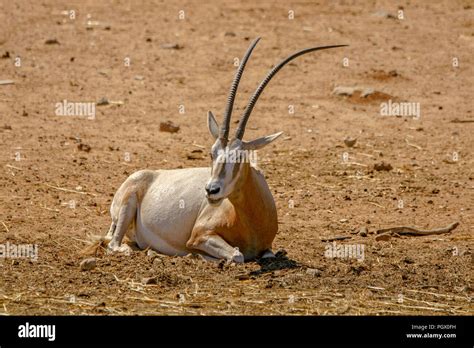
(215, 246)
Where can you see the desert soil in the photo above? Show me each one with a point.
(59, 173)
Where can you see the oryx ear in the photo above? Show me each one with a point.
(212, 125)
(260, 142)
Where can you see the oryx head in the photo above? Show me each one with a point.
(230, 155)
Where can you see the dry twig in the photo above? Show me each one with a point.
(412, 231)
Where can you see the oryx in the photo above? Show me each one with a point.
(223, 212)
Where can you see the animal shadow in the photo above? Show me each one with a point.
(279, 262)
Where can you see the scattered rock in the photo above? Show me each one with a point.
(152, 254)
(83, 147)
(195, 154)
(229, 33)
(382, 166)
(383, 237)
(103, 101)
(51, 42)
(169, 127)
(138, 77)
(7, 127)
(242, 277)
(363, 231)
(383, 75)
(149, 280)
(6, 55)
(88, 264)
(171, 46)
(361, 94)
(313, 272)
(350, 141)
(344, 91)
(349, 91)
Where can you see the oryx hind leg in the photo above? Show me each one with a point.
(110, 233)
(125, 214)
(124, 208)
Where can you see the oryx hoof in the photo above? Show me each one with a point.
(122, 249)
(237, 257)
(268, 254)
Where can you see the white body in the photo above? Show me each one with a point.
(160, 209)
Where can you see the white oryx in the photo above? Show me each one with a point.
(223, 212)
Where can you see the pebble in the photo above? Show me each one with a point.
(88, 264)
(383, 237)
(313, 272)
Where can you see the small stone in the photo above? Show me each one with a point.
(343, 91)
(149, 280)
(383, 237)
(313, 272)
(243, 277)
(83, 147)
(152, 253)
(88, 264)
(158, 262)
(169, 127)
(350, 142)
(52, 42)
(363, 231)
(347, 91)
(171, 46)
(103, 101)
(382, 166)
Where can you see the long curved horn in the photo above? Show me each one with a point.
(224, 132)
(248, 110)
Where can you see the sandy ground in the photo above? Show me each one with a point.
(59, 173)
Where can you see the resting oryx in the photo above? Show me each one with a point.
(223, 212)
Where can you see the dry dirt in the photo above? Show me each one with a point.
(319, 191)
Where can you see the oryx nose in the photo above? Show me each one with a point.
(212, 189)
